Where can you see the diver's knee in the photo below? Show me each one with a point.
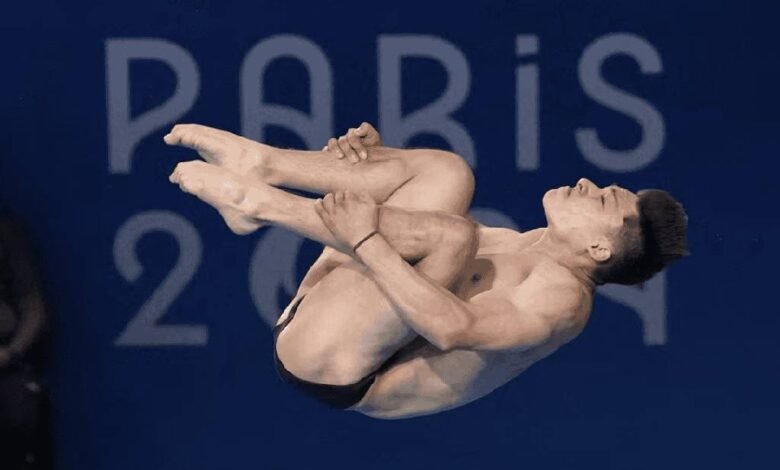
(317, 361)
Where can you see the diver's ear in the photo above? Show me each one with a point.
(600, 250)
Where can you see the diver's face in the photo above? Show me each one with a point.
(588, 211)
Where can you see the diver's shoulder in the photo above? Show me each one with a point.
(560, 280)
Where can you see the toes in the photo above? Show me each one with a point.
(192, 166)
(188, 175)
(212, 184)
(186, 183)
(200, 138)
(177, 172)
(220, 189)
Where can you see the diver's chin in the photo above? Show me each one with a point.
(560, 192)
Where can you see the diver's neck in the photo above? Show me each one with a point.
(563, 254)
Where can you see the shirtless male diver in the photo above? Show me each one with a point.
(412, 307)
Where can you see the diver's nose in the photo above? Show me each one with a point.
(586, 183)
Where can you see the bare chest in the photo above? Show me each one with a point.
(499, 262)
(488, 272)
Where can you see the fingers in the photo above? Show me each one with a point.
(366, 131)
(354, 143)
(333, 146)
(369, 134)
(328, 202)
(325, 206)
(357, 145)
(319, 208)
(362, 129)
(347, 149)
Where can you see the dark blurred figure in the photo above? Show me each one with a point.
(24, 413)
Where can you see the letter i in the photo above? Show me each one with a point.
(527, 104)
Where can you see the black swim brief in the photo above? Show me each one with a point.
(336, 396)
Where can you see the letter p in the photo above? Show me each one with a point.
(124, 131)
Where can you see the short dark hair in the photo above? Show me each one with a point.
(648, 243)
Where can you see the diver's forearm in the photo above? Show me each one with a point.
(413, 234)
(429, 309)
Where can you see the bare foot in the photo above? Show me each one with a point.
(232, 152)
(238, 203)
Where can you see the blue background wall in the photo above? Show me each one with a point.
(704, 395)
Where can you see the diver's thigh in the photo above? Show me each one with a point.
(342, 330)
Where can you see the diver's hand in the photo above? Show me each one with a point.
(355, 143)
(348, 216)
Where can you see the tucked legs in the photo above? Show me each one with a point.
(421, 179)
(345, 327)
